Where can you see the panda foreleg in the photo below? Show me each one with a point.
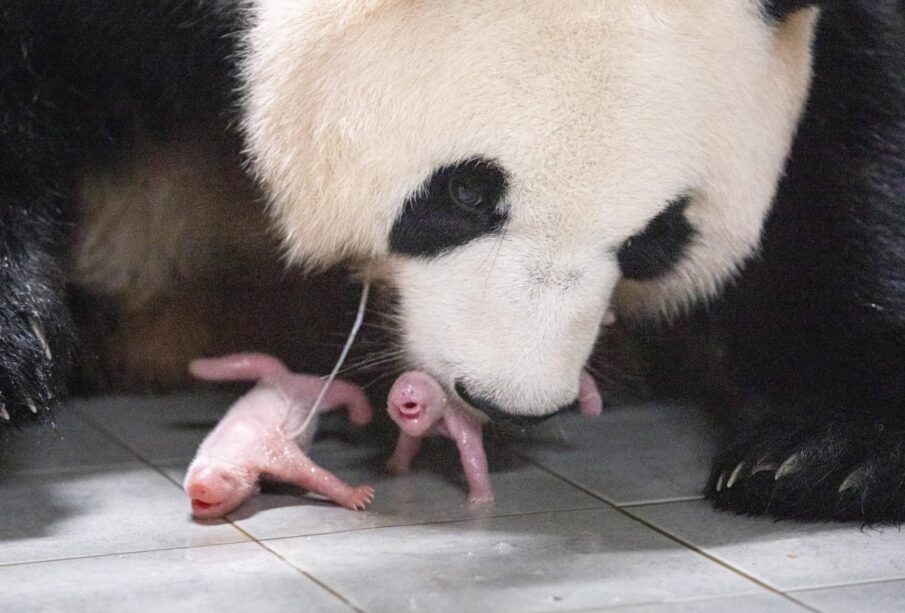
(804, 461)
(36, 335)
(816, 325)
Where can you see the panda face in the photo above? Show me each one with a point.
(516, 168)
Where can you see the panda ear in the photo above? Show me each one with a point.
(780, 9)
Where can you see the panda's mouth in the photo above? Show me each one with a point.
(493, 412)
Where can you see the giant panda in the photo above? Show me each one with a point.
(513, 170)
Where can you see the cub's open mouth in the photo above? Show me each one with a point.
(410, 411)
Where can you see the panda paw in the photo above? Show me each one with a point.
(35, 354)
(806, 468)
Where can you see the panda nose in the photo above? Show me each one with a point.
(494, 412)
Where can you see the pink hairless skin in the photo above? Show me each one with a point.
(249, 442)
(421, 407)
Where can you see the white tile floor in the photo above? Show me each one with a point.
(591, 516)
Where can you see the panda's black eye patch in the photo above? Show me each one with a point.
(659, 246)
(458, 204)
(778, 10)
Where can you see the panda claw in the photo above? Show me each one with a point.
(764, 467)
(854, 480)
(4, 413)
(720, 482)
(38, 331)
(789, 467)
(734, 476)
(32, 406)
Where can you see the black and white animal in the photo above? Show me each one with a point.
(514, 169)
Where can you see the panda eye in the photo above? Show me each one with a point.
(458, 203)
(470, 188)
(657, 249)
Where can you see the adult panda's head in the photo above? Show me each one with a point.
(516, 167)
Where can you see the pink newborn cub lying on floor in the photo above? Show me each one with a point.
(421, 407)
(249, 442)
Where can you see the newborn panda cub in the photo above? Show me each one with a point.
(249, 443)
(420, 407)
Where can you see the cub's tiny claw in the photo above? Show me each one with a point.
(481, 500)
(360, 499)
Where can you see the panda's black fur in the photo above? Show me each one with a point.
(77, 81)
(816, 323)
(780, 9)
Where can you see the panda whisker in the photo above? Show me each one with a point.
(379, 355)
(372, 363)
(594, 372)
(381, 327)
(381, 377)
(375, 361)
(496, 255)
(387, 318)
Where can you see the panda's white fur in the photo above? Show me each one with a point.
(600, 112)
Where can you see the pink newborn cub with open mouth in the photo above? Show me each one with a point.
(249, 443)
(421, 407)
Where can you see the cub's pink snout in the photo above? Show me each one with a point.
(210, 489)
(413, 393)
(416, 402)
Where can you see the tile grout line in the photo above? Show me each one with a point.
(324, 586)
(125, 445)
(141, 457)
(626, 513)
(633, 606)
(120, 553)
(837, 586)
(713, 558)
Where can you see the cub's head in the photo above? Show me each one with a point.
(517, 167)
